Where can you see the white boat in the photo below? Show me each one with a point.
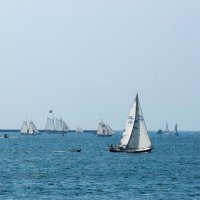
(135, 137)
(79, 130)
(175, 130)
(167, 132)
(104, 129)
(59, 127)
(29, 128)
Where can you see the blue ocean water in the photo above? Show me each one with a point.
(44, 167)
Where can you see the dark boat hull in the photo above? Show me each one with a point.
(139, 150)
(118, 150)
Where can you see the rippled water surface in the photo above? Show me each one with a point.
(44, 167)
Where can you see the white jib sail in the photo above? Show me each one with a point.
(139, 138)
(128, 126)
(50, 125)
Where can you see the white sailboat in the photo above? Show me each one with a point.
(79, 130)
(28, 128)
(104, 129)
(59, 127)
(176, 130)
(167, 132)
(135, 136)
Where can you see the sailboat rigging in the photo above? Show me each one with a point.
(135, 136)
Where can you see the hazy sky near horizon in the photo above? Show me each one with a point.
(86, 60)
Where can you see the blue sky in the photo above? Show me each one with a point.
(86, 60)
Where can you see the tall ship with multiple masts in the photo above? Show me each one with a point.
(29, 128)
(135, 137)
(104, 129)
(56, 125)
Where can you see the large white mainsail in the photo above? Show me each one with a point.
(50, 126)
(128, 126)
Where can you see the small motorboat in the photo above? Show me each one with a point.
(5, 135)
(76, 150)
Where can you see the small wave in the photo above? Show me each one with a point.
(59, 151)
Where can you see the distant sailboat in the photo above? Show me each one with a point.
(104, 129)
(135, 136)
(167, 132)
(59, 127)
(29, 128)
(79, 130)
(176, 130)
